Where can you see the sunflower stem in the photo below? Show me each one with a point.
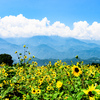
(82, 77)
(24, 56)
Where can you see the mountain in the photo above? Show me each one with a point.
(9, 48)
(37, 40)
(92, 41)
(44, 51)
(17, 40)
(60, 44)
(50, 47)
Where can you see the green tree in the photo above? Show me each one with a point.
(6, 58)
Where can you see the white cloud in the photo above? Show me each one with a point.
(19, 26)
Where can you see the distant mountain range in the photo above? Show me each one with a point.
(51, 47)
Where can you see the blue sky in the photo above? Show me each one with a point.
(65, 11)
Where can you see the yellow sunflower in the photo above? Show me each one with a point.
(29, 53)
(24, 46)
(15, 51)
(59, 84)
(29, 58)
(25, 57)
(6, 74)
(1, 85)
(3, 70)
(33, 91)
(21, 59)
(38, 91)
(33, 56)
(68, 74)
(6, 98)
(89, 92)
(76, 71)
(48, 88)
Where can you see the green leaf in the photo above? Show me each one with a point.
(28, 97)
(72, 88)
(96, 75)
(28, 76)
(22, 92)
(61, 94)
(46, 98)
(98, 87)
(69, 98)
(79, 95)
(6, 91)
(15, 97)
(89, 82)
(79, 83)
(55, 95)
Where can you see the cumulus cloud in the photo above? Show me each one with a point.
(19, 26)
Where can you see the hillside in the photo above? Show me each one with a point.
(46, 47)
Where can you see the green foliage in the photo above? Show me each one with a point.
(6, 58)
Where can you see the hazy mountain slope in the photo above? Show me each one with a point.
(92, 41)
(37, 40)
(60, 44)
(44, 51)
(46, 47)
(8, 48)
(17, 41)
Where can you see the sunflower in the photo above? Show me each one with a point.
(48, 88)
(33, 91)
(29, 58)
(58, 84)
(68, 74)
(6, 74)
(76, 71)
(23, 78)
(15, 51)
(41, 81)
(38, 91)
(29, 53)
(21, 59)
(89, 92)
(24, 46)
(54, 75)
(3, 70)
(33, 56)
(1, 85)
(25, 57)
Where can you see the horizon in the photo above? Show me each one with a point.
(76, 19)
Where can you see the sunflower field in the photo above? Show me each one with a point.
(28, 81)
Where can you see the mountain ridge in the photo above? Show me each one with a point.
(55, 47)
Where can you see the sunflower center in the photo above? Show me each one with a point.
(90, 94)
(33, 90)
(76, 70)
